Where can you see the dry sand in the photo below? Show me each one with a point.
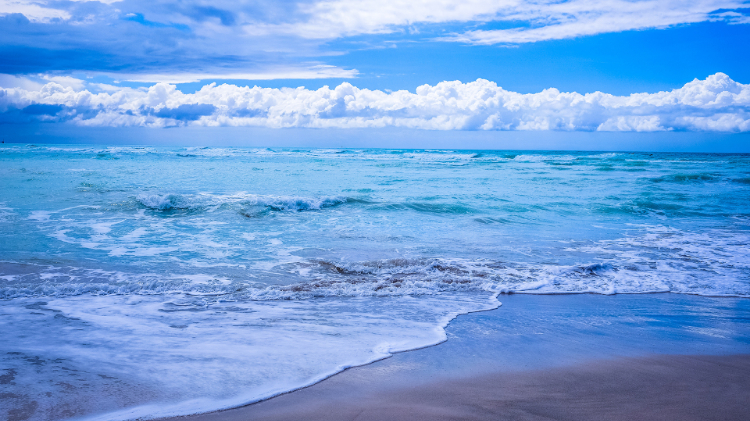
(664, 387)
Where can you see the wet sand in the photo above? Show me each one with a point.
(648, 357)
(663, 387)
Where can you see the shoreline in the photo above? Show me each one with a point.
(372, 386)
(658, 387)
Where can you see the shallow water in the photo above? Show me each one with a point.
(156, 281)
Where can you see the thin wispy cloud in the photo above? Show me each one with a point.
(311, 72)
(256, 37)
(715, 104)
(553, 20)
(534, 20)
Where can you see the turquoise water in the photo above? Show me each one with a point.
(178, 280)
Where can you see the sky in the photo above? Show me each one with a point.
(680, 69)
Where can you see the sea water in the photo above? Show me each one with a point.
(139, 282)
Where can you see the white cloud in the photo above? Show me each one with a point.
(11, 81)
(330, 19)
(715, 104)
(312, 72)
(545, 19)
(733, 18)
(35, 10)
(552, 20)
(32, 10)
(336, 18)
(66, 81)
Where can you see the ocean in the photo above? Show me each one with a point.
(156, 281)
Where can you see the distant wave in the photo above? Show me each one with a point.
(622, 160)
(427, 207)
(248, 204)
(685, 178)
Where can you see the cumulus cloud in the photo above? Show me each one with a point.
(715, 104)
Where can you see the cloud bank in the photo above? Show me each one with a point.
(715, 104)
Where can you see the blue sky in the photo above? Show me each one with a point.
(520, 65)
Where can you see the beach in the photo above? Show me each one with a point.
(125, 294)
(374, 210)
(656, 388)
(600, 358)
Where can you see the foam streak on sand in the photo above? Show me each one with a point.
(276, 267)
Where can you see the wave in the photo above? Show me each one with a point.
(425, 207)
(644, 207)
(685, 178)
(167, 202)
(261, 205)
(248, 204)
(251, 205)
(714, 263)
(545, 158)
(491, 220)
(331, 279)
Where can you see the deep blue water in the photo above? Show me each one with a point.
(176, 280)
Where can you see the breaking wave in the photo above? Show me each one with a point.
(249, 204)
(715, 263)
(685, 178)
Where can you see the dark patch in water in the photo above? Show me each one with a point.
(684, 178)
(593, 270)
(23, 411)
(66, 318)
(635, 163)
(338, 269)
(8, 377)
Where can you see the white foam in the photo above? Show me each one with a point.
(543, 158)
(40, 216)
(5, 213)
(194, 357)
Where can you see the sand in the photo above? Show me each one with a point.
(665, 387)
